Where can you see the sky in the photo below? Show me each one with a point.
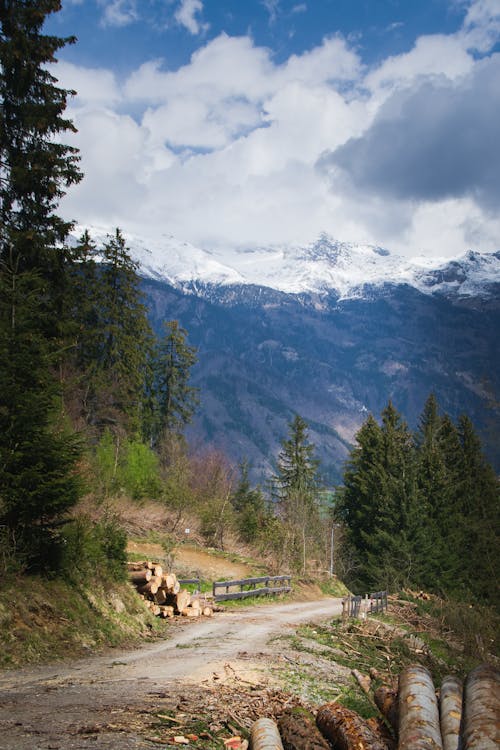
(242, 123)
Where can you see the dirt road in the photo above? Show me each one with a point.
(108, 701)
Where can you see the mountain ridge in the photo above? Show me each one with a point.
(321, 267)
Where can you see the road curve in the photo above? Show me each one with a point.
(58, 695)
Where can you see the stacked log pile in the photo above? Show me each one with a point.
(414, 716)
(162, 593)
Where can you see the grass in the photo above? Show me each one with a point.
(59, 619)
(327, 654)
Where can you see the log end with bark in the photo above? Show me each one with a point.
(480, 728)
(298, 731)
(346, 730)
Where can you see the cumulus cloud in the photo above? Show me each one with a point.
(186, 15)
(234, 148)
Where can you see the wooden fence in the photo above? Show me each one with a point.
(359, 606)
(251, 587)
(378, 602)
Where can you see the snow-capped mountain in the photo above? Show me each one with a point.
(323, 266)
(330, 331)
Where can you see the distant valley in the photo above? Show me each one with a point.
(265, 355)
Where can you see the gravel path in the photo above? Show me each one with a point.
(98, 702)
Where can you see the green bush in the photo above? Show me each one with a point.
(139, 472)
(93, 550)
(127, 466)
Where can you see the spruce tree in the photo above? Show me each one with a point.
(35, 168)
(379, 504)
(296, 486)
(249, 505)
(125, 341)
(478, 517)
(38, 484)
(176, 399)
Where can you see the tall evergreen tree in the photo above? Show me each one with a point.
(119, 344)
(379, 503)
(478, 517)
(37, 456)
(296, 485)
(249, 505)
(176, 398)
(35, 168)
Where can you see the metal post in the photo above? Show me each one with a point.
(331, 552)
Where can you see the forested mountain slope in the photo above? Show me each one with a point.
(265, 355)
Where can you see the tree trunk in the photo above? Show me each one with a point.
(346, 730)
(450, 710)
(264, 735)
(298, 731)
(480, 720)
(418, 711)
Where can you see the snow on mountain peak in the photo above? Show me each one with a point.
(321, 266)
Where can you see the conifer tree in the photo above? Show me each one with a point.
(125, 338)
(37, 455)
(35, 168)
(249, 505)
(296, 485)
(176, 398)
(379, 503)
(478, 517)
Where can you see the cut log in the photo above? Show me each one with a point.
(155, 609)
(346, 730)
(160, 596)
(168, 581)
(190, 612)
(166, 611)
(264, 735)
(418, 711)
(158, 571)
(386, 701)
(139, 565)
(481, 711)
(151, 587)
(450, 712)
(298, 731)
(207, 612)
(140, 577)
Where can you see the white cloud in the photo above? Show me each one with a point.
(481, 28)
(93, 85)
(119, 12)
(225, 149)
(186, 15)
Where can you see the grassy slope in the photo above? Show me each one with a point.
(44, 620)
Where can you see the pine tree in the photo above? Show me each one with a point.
(35, 168)
(478, 517)
(176, 399)
(296, 486)
(125, 341)
(38, 484)
(380, 504)
(249, 505)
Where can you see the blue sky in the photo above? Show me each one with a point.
(243, 122)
